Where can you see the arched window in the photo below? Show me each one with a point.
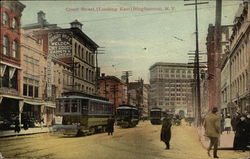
(15, 49)
(15, 24)
(6, 46)
(5, 19)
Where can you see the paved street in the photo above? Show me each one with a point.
(141, 142)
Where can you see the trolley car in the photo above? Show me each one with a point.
(157, 115)
(82, 113)
(127, 116)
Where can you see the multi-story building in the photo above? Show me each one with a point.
(112, 88)
(239, 60)
(212, 79)
(33, 80)
(171, 87)
(71, 46)
(138, 96)
(11, 101)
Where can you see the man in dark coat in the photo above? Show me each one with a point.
(166, 131)
(241, 134)
(17, 125)
(110, 125)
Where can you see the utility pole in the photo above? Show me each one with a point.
(217, 38)
(114, 90)
(126, 74)
(197, 65)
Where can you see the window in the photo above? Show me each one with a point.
(14, 24)
(66, 106)
(6, 46)
(31, 91)
(74, 106)
(36, 92)
(15, 49)
(5, 19)
(25, 89)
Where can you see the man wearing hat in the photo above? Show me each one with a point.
(212, 130)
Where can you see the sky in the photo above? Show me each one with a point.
(135, 34)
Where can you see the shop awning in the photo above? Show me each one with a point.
(13, 97)
(50, 104)
(33, 103)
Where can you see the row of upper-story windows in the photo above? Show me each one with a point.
(239, 60)
(7, 45)
(84, 54)
(86, 74)
(6, 21)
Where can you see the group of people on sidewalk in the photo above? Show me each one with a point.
(214, 127)
(240, 125)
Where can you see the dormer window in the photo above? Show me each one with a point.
(5, 19)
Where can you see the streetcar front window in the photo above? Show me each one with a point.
(66, 106)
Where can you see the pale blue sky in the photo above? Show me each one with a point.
(124, 34)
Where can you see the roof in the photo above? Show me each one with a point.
(169, 64)
(81, 97)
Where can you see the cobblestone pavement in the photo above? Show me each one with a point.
(141, 142)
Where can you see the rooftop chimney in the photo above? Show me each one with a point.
(76, 24)
(40, 17)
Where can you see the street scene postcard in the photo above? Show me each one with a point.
(124, 79)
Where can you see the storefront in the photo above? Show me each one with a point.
(10, 110)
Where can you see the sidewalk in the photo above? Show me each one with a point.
(30, 131)
(225, 141)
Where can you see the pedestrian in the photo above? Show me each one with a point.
(110, 125)
(228, 124)
(241, 135)
(25, 123)
(212, 130)
(166, 131)
(235, 120)
(222, 122)
(248, 126)
(17, 125)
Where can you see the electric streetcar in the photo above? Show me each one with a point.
(127, 116)
(157, 115)
(80, 113)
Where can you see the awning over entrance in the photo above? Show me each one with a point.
(11, 96)
(43, 103)
(33, 103)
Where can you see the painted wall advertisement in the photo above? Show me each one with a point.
(60, 44)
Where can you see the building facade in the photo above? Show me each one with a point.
(138, 94)
(171, 87)
(239, 60)
(112, 88)
(33, 80)
(11, 102)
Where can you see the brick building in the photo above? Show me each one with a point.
(113, 89)
(11, 101)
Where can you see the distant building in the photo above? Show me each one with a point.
(11, 101)
(171, 87)
(138, 94)
(114, 89)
